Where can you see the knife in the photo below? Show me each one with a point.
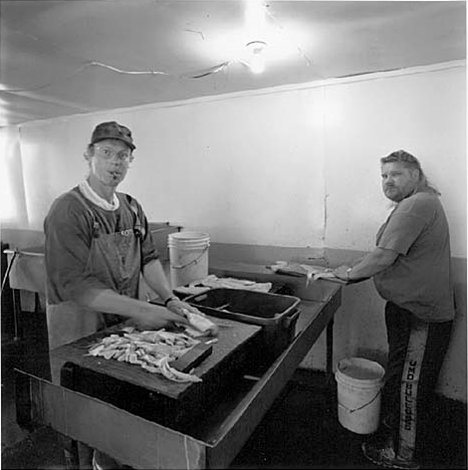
(192, 358)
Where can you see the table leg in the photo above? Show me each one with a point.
(85, 456)
(330, 349)
(18, 331)
(77, 454)
(330, 384)
(70, 450)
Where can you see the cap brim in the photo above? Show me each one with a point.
(130, 144)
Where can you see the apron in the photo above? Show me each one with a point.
(114, 259)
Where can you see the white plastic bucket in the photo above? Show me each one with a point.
(188, 256)
(359, 385)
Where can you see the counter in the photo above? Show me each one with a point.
(212, 441)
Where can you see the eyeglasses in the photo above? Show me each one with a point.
(108, 154)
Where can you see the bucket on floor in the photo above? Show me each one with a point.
(188, 256)
(359, 385)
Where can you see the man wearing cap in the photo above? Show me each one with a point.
(97, 244)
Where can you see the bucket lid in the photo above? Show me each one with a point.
(188, 236)
(360, 368)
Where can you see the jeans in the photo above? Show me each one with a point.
(416, 353)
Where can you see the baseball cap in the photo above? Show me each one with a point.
(112, 130)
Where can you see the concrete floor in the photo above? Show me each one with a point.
(301, 430)
(298, 432)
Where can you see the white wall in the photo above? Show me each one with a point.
(228, 166)
(422, 113)
(267, 168)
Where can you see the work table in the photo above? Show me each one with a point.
(212, 440)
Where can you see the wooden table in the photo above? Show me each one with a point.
(214, 440)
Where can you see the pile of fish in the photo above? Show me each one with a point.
(199, 325)
(151, 350)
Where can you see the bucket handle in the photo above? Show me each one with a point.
(194, 261)
(362, 406)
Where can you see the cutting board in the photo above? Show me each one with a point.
(233, 339)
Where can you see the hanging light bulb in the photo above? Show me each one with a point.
(257, 59)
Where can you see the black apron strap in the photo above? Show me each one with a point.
(138, 228)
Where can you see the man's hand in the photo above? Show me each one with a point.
(180, 308)
(157, 318)
(369, 265)
(341, 272)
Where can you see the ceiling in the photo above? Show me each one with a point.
(74, 56)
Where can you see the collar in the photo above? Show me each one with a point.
(94, 197)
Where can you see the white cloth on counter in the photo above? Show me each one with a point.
(213, 282)
(297, 269)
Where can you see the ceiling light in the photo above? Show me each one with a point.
(257, 59)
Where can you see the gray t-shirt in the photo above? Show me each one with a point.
(420, 279)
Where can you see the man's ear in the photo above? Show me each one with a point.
(89, 152)
(415, 174)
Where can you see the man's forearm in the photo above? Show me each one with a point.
(155, 277)
(109, 301)
(372, 264)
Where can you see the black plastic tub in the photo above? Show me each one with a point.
(277, 314)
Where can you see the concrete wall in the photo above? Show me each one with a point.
(291, 170)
